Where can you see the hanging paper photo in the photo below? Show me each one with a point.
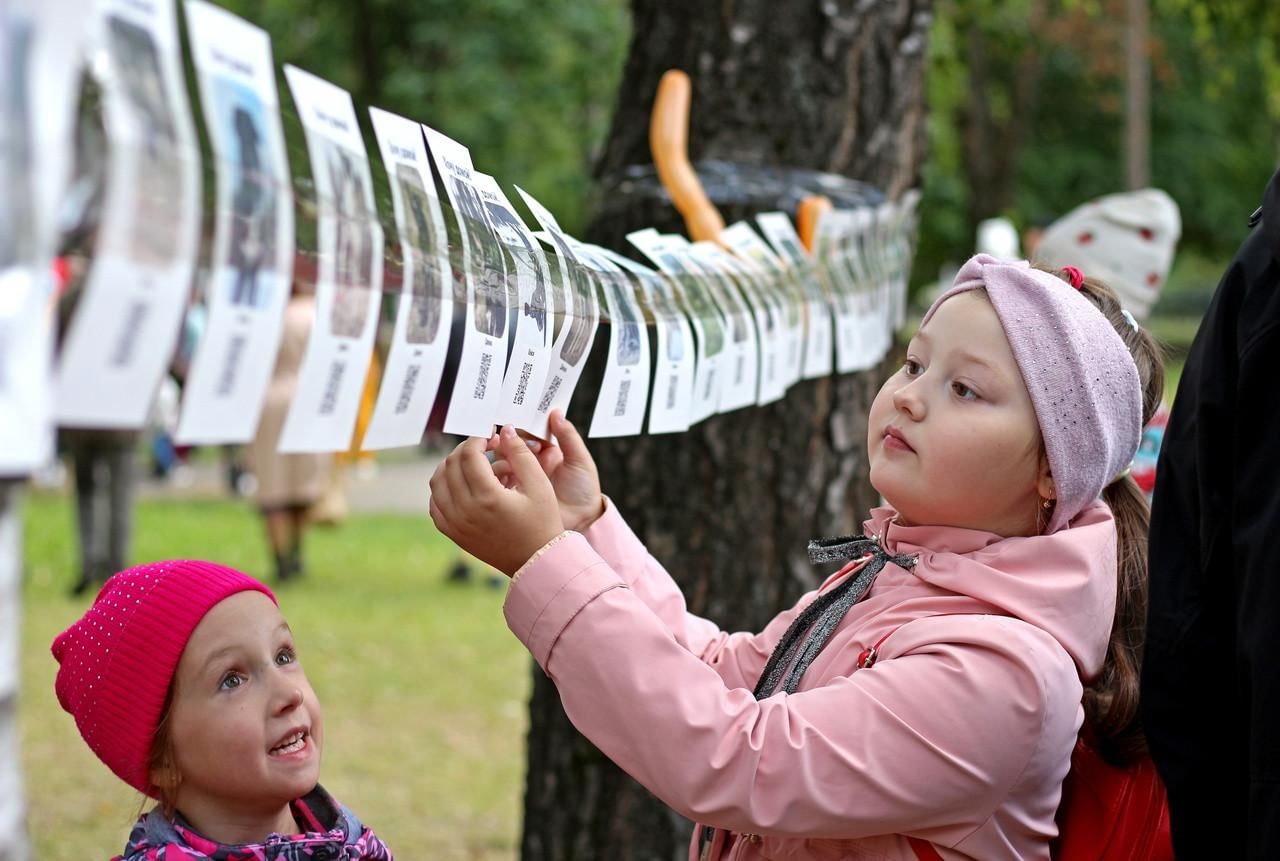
(349, 270)
(477, 388)
(26, 430)
(623, 394)
(833, 226)
(903, 235)
(767, 314)
(739, 386)
(420, 340)
(125, 321)
(708, 324)
(743, 240)
(779, 230)
(529, 346)
(673, 350)
(578, 326)
(252, 267)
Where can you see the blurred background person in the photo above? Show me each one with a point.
(287, 485)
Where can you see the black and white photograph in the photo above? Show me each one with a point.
(354, 238)
(519, 244)
(420, 257)
(580, 323)
(17, 215)
(487, 268)
(158, 184)
(626, 323)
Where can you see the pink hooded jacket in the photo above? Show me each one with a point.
(960, 734)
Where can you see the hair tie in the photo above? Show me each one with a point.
(1076, 276)
(1124, 312)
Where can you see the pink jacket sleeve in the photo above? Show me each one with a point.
(922, 740)
(738, 658)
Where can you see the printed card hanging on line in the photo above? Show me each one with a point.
(708, 324)
(424, 310)
(743, 240)
(530, 345)
(779, 230)
(673, 352)
(26, 244)
(322, 415)
(477, 387)
(624, 388)
(582, 314)
(765, 312)
(125, 323)
(743, 387)
(251, 273)
(833, 225)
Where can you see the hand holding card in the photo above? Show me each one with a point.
(502, 526)
(568, 464)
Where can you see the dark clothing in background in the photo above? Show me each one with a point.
(1211, 673)
(103, 464)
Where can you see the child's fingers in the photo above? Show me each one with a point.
(550, 457)
(475, 469)
(460, 490)
(568, 437)
(524, 463)
(438, 517)
(441, 499)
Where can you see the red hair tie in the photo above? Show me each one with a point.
(1076, 276)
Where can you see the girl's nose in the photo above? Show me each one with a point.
(289, 696)
(907, 400)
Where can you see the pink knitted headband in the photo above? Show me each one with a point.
(1081, 377)
(116, 662)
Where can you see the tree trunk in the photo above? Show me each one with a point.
(13, 837)
(729, 505)
(1137, 89)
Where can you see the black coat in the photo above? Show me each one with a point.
(1211, 674)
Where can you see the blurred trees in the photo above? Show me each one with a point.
(1027, 114)
(1026, 98)
(527, 87)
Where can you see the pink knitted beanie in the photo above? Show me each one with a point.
(1081, 377)
(117, 661)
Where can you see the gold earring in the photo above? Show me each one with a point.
(1046, 504)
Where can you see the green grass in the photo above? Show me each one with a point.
(424, 689)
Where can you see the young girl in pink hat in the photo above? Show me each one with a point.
(184, 679)
(925, 701)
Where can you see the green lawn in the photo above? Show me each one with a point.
(424, 689)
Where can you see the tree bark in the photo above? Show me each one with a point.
(992, 145)
(729, 506)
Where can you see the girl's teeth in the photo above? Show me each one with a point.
(291, 747)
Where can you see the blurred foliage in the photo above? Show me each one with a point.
(528, 88)
(1215, 124)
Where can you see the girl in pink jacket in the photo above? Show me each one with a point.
(925, 699)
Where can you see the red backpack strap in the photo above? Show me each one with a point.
(924, 849)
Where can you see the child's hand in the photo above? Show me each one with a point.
(571, 469)
(502, 526)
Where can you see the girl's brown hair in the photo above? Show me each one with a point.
(161, 762)
(1111, 701)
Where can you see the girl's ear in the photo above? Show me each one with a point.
(1044, 479)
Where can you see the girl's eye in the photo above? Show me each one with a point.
(964, 392)
(912, 367)
(230, 681)
(285, 656)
